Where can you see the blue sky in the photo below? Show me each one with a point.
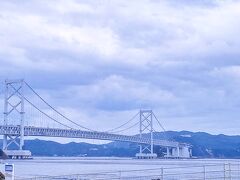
(99, 62)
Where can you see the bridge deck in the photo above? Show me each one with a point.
(72, 133)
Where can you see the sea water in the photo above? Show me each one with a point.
(58, 166)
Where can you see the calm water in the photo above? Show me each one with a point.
(41, 166)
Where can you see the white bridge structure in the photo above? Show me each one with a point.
(18, 124)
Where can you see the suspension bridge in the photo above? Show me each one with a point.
(26, 113)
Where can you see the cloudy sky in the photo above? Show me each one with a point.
(99, 62)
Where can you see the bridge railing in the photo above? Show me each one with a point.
(201, 172)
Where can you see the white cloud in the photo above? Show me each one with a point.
(232, 71)
(110, 57)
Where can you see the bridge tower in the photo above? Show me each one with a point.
(146, 126)
(14, 108)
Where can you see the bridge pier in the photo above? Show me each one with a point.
(179, 152)
(168, 153)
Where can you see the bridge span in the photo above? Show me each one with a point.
(12, 132)
(71, 133)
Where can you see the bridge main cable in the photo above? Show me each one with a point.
(122, 130)
(75, 129)
(56, 110)
(86, 128)
(161, 126)
(130, 120)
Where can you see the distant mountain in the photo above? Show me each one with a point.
(204, 145)
(207, 145)
(50, 148)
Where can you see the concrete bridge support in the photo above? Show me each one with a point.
(179, 152)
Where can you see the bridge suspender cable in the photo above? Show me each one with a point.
(41, 110)
(113, 130)
(46, 114)
(108, 131)
(127, 128)
(164, 131)
(57, 110)
(159, 123)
